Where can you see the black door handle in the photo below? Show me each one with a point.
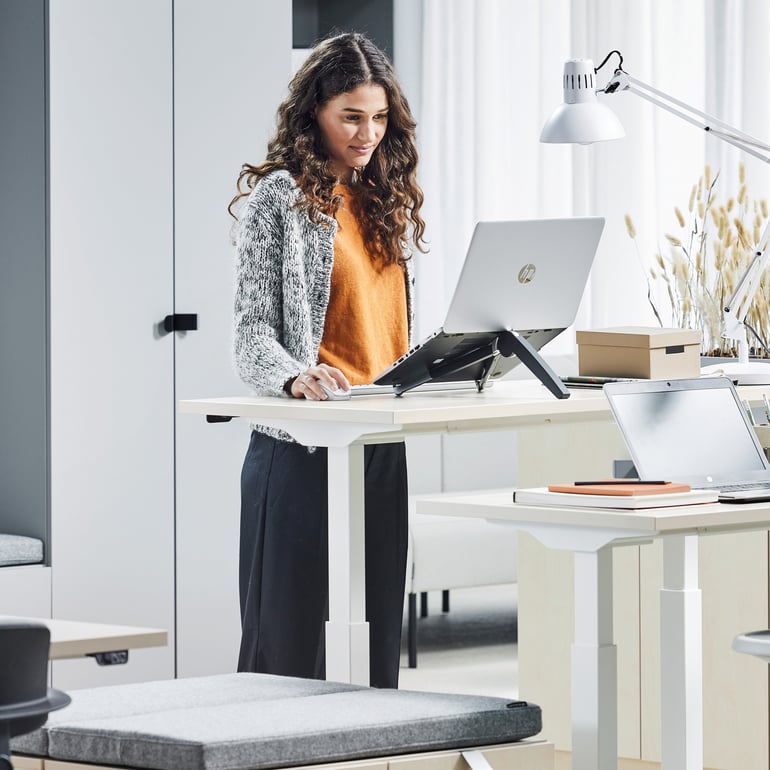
(181, 322)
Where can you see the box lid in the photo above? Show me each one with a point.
(638, 337)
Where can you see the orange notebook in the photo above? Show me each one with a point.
(621, 490)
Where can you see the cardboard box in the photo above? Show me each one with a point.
(639, 351)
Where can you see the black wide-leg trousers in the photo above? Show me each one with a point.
(283, 571)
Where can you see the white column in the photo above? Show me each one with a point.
(594, 665)
(681, 660)
(347, 632)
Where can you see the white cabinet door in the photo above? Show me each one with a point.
(111, 283)
(154, 106)
(226, 92)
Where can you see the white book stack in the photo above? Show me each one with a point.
(613, 494)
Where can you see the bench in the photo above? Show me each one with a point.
(16, 550)
(256, 721)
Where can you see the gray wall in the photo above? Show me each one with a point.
(315, 19)
(23, 273)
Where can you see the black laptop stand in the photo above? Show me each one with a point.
(505, 343)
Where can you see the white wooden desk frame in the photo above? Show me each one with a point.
(591, 534)
(344, 427)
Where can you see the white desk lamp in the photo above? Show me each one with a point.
(582, 119)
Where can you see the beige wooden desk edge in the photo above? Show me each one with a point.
(74, 639)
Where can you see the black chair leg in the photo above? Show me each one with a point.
(5, 747)
(445, 600)
(411, 633)
(424, 604)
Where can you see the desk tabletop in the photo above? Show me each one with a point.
(368, 419)
(498, 505)
(526, 399)
(521, 399)
(74, 639)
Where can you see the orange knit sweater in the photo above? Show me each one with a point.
(366, 326)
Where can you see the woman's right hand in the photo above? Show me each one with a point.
(308, 383)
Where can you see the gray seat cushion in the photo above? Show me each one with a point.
(249, 721)
(128, 700)
(17, 549)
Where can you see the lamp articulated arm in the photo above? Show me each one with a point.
(622, 81)
(738, 305)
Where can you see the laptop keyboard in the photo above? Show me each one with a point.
(370, 390)
(758, 485)
(428, 387)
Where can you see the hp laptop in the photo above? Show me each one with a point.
(692, 430)
(520, 286)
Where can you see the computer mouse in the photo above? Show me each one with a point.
(338, 394)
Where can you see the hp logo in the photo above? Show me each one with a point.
(527, 273)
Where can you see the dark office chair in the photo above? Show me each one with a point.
(25, 698)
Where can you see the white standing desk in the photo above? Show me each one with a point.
(346, 426)
(591, 534)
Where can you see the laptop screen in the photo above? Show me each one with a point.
(694, 431)
(524, 275)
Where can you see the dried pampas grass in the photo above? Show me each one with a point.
(697, 271)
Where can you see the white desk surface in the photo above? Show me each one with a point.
(523, 399)
(700, 519)
(74, 639)
(518, 402)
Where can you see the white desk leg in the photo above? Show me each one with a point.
(681, 657)
(594, 665)
(347, 632)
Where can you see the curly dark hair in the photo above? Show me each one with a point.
(389, 198)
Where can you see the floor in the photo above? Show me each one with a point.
(471, 649)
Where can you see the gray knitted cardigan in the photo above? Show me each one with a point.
(283, 278)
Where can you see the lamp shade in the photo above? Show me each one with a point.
(581, 119)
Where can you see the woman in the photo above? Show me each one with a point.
(324, 297)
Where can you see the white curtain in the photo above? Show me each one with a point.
(489, 76)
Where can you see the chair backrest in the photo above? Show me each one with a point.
(25, 698)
